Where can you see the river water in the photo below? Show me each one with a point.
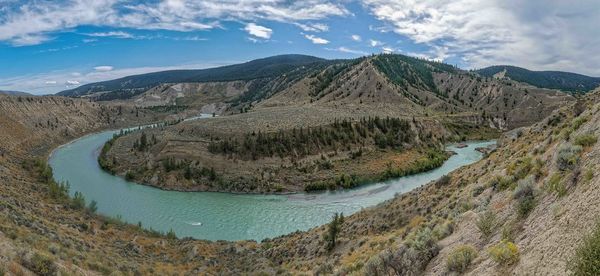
(224, 216)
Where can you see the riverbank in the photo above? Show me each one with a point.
(223, 216)
(338, 155)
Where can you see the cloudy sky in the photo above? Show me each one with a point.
(50, 45)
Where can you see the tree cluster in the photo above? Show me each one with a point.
(384, 132)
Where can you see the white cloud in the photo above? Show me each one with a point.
(540, 35)
(258, 31)
(51, 82)
(31, 22)
(72, 82)
(28, 39)
(316, 40)
(348, 50)
(356, 37)
(103, 68)
(318, 27)
(387, 50)
(117, 34)
(375, 43)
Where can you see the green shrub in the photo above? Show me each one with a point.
(41, 264)
(585, 140)
(587, 256)
(444, 229)
(500, 183)
(566, 133)
(78, 201)
(521, 168)
(333, 230)
(525, 196)
(477, 191)
(589, 174)
(568, 157)
(444, 180)
(486, 223)
(171, 235)
(556, 185)
(508, 231)
(504, 253)
(578, 122)
(460, 259)
(92, 207)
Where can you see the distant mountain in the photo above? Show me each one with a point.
(14, 93)
(265, 68)
(544, 79)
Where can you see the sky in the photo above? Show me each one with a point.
(47, 46)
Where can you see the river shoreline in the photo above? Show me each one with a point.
(224, 216)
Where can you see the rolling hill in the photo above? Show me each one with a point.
(565, 81)
(14, 93)
(260, 69)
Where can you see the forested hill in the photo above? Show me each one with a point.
(256, 69)
(565, 81)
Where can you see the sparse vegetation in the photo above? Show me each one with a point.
(568, 157)
(524, 194)
(486, 223)
(585, 140)
(556, 185)
(504, 253)
(577, 122)
(586, 260)
(40, 264)
(460, 259)
(500, 183)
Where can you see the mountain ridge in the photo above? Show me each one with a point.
(255, 69)
(566, 81)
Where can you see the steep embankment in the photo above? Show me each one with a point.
(43, 232)
(524, 210)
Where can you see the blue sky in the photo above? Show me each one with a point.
(49, 46)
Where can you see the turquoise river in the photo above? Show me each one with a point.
(224, 216)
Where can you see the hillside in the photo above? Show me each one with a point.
(294, 80)
(14, 93)
(44, 233)
(526, 209)
(261, 69)
(412, 234)
(292, 141)
(564, 81)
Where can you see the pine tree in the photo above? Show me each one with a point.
(333, 230)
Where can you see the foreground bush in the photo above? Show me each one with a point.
(556, 185)
(587, 257)
(460, 259)
(568, 157)
(40, 264)
(409, 259)
(486, 223)
(525, 196)
(504, 253)
(585, 140)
